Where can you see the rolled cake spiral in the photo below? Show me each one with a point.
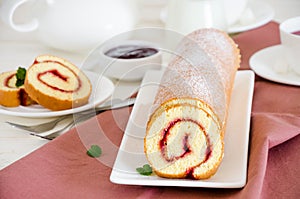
(10, 94)
(56, 83)
(185, 133)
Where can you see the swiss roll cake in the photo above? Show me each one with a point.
(10, 94)
(57, 84)
(185, 131)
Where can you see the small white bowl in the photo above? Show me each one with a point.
(130, 69)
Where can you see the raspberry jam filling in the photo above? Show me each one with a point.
(185, 144)
(57, 74)
(22, 95)
(7, 80)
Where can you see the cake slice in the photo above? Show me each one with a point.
(182, 135)
(10, 94)
(57, 84)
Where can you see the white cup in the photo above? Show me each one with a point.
(72, 25)
(185, 16)
(291, 42)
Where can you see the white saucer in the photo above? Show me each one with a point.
(262, 13)
(263, 63)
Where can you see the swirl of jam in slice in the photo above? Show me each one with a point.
(183, 139)
(8, 80)
(186, 149)
(57, 74)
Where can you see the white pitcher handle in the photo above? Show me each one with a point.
(7, 13)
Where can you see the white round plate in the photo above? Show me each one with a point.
(102, 89)
(263, 13)
(264, 61)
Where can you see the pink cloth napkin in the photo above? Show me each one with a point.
(61, 168)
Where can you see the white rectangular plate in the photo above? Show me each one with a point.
(232, 172)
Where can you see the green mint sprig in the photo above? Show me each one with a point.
(95, 151)
(146, 170)
(20, 75)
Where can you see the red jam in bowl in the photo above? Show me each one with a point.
(296, 32)
(131, 52)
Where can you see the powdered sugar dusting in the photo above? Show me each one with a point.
(204, 68)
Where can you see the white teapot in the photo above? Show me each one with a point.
(73, 25)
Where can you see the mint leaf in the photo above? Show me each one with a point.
(20, 75)
(95, 151)
(146, 170)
